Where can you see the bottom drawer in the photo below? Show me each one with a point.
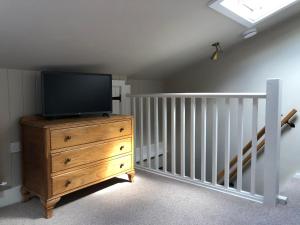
(78, 178)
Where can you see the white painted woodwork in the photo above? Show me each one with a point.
(227, 143)
(141, 130)
(215, 142)
(149, 132)
(16, 101)
(240, 144)
(192, 137)
(156, 130)
(119, 88)
(272, 145)
(165, 137)
(271, 169)
(203, 138)
(182, 137)
(254, 144)
(116, 105)
(20, 94)
(145, 151)
(230, 191)
(173, 135)
(204, 95)
(127, 102)
(135, 127)
(4, 127)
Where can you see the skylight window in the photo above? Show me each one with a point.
(249, 12)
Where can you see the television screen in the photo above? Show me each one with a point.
(68, 94)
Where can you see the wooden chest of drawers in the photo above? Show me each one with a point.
(65, 155)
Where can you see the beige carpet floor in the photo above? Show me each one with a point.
(155, 200)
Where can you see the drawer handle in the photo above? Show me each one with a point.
(121, 129)
(122, 165)
(68, 182)
(67, 160)
(122, 147)
(67, 138)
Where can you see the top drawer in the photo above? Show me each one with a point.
(81, 135)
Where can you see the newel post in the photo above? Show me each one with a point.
(272, 144)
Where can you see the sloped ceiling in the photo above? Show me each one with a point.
(141, 39)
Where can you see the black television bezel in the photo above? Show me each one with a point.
(44, 73)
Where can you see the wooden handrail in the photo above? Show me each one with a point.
(247, 160)
(248, 146)
(245, 149)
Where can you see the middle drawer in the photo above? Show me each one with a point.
(90, 153)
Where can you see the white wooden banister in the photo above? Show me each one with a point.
(156, 129)
(182, 137)
(204, 95)
(227, 143)
(171, 151)
(192, 138)
(240, 144)
(254, 144)
(173, 135)
(134, 123)
(203, 139)
(141, 132)
(272, 143)
(215, 143)
(164, 130)
(149, 132)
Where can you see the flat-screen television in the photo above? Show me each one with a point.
(71, 94)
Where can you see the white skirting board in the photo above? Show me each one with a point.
(145, 150)
(10, 196)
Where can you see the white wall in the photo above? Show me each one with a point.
(245, 68)
(146, 86)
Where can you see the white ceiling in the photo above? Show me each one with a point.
(136, 38)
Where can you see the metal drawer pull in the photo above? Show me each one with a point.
(122, 165)
(68, 182)
(122, 147)
(67, 160)
(122, 129)
(67, 138)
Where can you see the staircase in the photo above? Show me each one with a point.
(247, 149)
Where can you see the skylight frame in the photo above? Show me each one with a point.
(217, 6)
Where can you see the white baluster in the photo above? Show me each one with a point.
(173, 135)
(134, 124)
(240, 144)
(165, 141)
(149, 132)
(254, 144)
(182, 137)
(192, 137)
(227, 143)
(215, 142)
(141, 132)
(156, 122)
(203, 139)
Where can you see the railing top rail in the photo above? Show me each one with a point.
(203, 95)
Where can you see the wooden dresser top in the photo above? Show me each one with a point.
(41, 122)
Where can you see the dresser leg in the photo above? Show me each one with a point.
(131, 176)
(26, 195)
(48, 207)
